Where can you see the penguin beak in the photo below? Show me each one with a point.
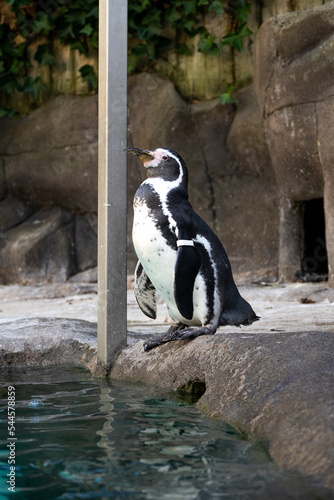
(143, 154)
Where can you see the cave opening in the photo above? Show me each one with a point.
(314, 266)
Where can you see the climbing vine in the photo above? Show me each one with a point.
(75, 23)
(148, 22)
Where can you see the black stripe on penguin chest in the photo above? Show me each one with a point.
(148, 196)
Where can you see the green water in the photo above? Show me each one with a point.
(83, 438)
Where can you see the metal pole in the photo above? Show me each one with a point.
(112, 182)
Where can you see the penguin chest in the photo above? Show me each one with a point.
(156, 256)
(158, 259)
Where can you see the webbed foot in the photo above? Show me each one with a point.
(197, 331)
(176, 327)
(172, 334)
(177, 332)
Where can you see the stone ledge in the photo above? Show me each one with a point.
(41, 341)
(47, 341)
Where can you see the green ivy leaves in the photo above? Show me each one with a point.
(88, 75)
(44, 55)
(226, 97)
(149, 21)
(236, 39)
(75, 23)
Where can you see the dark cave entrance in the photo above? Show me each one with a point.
(314, 266)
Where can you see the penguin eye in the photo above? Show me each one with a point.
(165, 158)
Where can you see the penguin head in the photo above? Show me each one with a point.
(163, 163)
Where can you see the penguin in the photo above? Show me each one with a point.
(179, 256)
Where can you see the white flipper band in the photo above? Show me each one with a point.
(185, 243)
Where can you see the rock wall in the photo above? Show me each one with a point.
(201, 76)
(49, 171)
(48, 187)
(231, 182)
(252, 164)
(294, 82)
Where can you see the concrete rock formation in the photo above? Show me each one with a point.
(231, 181)
(50, 156)
(38, 250)
(45, 341)
(48, 192)
(44, 245)
(294, 83)
(49, 159)
(255, 167)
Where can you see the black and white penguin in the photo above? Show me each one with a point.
(180, 256)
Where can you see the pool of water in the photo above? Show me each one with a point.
(83, 438)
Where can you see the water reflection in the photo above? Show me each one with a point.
(95, 439)
(107, 409)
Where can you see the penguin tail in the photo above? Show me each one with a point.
(233, 318)
(241, 314)
(251, 319)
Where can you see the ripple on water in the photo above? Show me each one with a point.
(80, 437)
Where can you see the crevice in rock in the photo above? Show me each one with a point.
(294, 105)
(314, 265)
(266, 94)
(4, 176)
(261, 5)
(212, 202)
(24, 210)
(48, 149)
(317, 133)
(74, 247)
(193, 390)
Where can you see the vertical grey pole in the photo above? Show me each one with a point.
(112, 182)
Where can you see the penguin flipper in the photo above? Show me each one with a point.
(145, 292)
(188, 263)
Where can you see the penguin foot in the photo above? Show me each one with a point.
(176, 327)
(172, 334)
(177, 332)
(192, 333)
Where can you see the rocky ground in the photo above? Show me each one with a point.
(273, 380)
(292, 307)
